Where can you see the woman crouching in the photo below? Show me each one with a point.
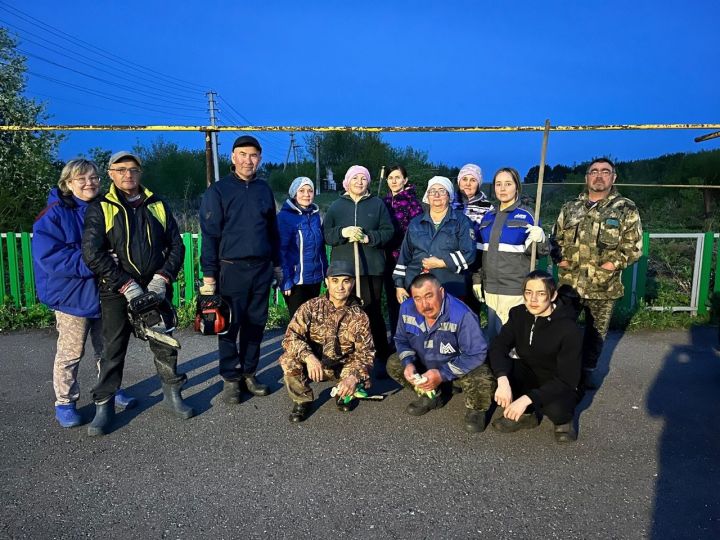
(541, 375)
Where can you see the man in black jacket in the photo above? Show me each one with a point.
(240, 255)
(132, 244)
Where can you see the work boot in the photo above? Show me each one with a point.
(231, 392)
(255, 387)
(475, 421)
(173, 401)
(104, 416)
(124, 401)
(423, 405)
(505, 425)
(342, 406)
(590, 379)
(300, 412)
(565, 433)
(67, 416)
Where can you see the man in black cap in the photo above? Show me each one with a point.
(240, 257)
(328, 339)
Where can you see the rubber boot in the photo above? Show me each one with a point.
(231, 392)
(67, 416)
(255, 387)
(104, 416)
(173, 401)
(475, 421)
(124, 401)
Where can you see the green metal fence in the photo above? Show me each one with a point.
(17, 283)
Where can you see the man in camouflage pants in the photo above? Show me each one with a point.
(328, 339)
(595, 238)
(440, 345)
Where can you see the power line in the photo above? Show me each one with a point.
(147, 82)
(89, 46)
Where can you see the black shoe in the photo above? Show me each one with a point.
(255, 387)
(475, 421)
(300, 412)
(565, 433)
(231, 392)
(423, 405)
(104, 416)
(505, 425)
(173, 401)
(590, 379)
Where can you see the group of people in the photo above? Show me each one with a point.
(437, 259)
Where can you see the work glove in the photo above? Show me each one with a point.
(352, 233)
(207, 289)
(131, 290)
(158, 285)
(535, 233)
(278, 275)
(478, 292)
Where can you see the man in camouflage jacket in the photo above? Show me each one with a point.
(328, 339)
(595, 238)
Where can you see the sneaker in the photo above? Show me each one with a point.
(565, 433)
(424, 404)
(67, 416)
(124, 401)
(505, 425)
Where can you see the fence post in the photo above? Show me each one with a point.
(643, 267)
(189, 266)
(13, 270)
(705, 269)
(199, 250)
(3, 292)
(28, 274)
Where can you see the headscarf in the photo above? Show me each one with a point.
(352, 171)
(442, 182)
(299, 182)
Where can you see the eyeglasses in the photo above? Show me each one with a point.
(605, 173)
(134, 171)
(437, 192)
(81, 181)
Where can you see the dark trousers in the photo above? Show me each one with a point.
(597, 321)
(245, 285)
(300, 294)
(116, 335)
(560, 410)
(371, 295)
(392, 304)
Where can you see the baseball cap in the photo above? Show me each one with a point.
(117, 156)
(340, 268)
(247, 140)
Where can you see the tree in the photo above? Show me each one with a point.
(27, 159)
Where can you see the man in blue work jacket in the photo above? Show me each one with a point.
(439, 345)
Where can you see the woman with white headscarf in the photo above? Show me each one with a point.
(439, 241)
(302, 245)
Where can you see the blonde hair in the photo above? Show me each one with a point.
(73, 168)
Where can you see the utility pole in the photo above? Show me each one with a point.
(213, 134)
(209, 176)
(317, 164)
(291, 148)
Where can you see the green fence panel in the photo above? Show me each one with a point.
(716, 286)
(705, 270)
(199, 251)
(3, 289)
(27, 269)
(641, 284)
(189, 267)
(176, 294)
(542, 263)
(13, 268)
(627, 278)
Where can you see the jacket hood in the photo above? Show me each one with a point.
(347, 196)
(614, 194)
(478, 197)
(564, 308)
(68, 200)
(291, 206)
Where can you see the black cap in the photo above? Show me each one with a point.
(340, 268)
(247, 140)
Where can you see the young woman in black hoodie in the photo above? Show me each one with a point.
(543, 374)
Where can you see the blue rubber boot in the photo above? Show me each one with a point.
(124, 401)
(67, 416)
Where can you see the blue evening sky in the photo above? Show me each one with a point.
(381, 63)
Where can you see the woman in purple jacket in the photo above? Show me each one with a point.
(65, 284)
(403, 204)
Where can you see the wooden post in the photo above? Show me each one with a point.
(538, 196)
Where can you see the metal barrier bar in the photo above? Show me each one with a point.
(13, 268)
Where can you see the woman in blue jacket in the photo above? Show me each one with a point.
(65, 284)
(441, 239)
(302, 245)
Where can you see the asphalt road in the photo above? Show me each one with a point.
(646, 464)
